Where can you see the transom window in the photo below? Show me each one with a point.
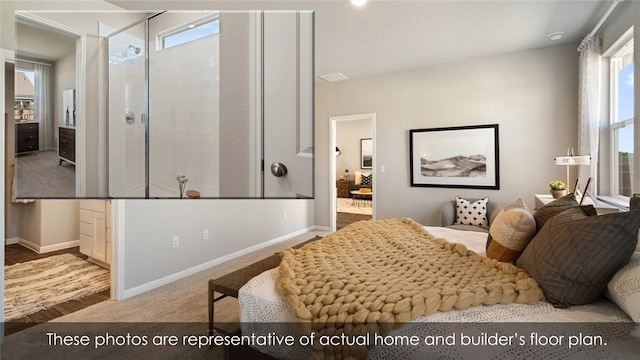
(188, 32)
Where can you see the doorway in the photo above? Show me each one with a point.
(352, 145)
(45, 115)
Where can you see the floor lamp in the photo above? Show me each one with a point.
(572, 160)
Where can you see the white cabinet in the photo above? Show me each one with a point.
(94, 233)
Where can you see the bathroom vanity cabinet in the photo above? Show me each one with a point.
(67, 144)
(27, 138)
(94, 233)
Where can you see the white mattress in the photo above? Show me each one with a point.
(261, 304)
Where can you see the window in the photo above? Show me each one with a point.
(622, 118)
(24, 92)
(188, 32)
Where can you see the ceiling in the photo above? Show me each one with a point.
(385, 36)
(38, 42)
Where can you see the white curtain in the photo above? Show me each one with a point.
(589, 110)
(42, 100)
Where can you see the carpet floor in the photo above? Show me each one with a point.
(40, 175)
(36, 285)
(180, 306)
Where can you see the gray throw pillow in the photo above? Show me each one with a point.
(543, 214)
(575, 255)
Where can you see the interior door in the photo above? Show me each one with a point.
(288, 104)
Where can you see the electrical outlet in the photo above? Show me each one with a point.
(176, 241)
(205, 234)
(284, 214)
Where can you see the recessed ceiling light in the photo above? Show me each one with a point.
(358, 2)
(334, 77)
(556, 35)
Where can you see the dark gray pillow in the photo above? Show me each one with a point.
(575, 255)
(553, 208)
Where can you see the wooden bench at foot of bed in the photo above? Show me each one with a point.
(230, 284)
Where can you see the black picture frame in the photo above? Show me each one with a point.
(366, 153)
(455, 157)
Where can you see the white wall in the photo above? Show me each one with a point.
(184, 107)
(234, 225)
(531, 94)
(49, 225)
(348, 135)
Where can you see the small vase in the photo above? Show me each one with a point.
(558, 193)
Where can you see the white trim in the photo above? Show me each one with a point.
(255, 104)
(321, 228)
(4, 55)
(333, 120)
(620, 43)
(117, 249)
(49, 248)
(615, 53)
(12, 241)
(193, 270)
(81, 70)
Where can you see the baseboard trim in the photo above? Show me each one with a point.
(209, 264)
(12, 241)
(49, 248)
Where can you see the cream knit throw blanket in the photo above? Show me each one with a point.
(372, 276)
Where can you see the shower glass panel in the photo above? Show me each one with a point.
(164, 107)
(127, 108)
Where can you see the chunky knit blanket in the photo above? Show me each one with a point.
(373, 276)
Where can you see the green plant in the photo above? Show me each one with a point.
(557, 185)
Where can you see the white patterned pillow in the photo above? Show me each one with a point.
(366, 179)
(472, 213)
(624, 288)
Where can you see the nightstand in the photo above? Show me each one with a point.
(343, 188)
(601, 207)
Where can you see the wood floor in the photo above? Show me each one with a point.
(17, 254)
(344, 219)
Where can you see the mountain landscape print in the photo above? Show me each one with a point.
(473, 166)
(455, 157)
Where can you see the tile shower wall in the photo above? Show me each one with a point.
(184, 84)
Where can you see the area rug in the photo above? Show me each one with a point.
(346, 205)
(36, 285)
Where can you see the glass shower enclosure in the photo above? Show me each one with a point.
(163, 107)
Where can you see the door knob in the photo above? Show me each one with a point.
(278, 169)
(130, 117)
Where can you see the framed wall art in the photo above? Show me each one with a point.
(455, 157)
(366, 153)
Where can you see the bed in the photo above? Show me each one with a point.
(496, 331)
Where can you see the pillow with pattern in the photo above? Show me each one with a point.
(472, 213)
(366, 180)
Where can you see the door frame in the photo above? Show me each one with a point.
(81, 89)
(333, 192)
